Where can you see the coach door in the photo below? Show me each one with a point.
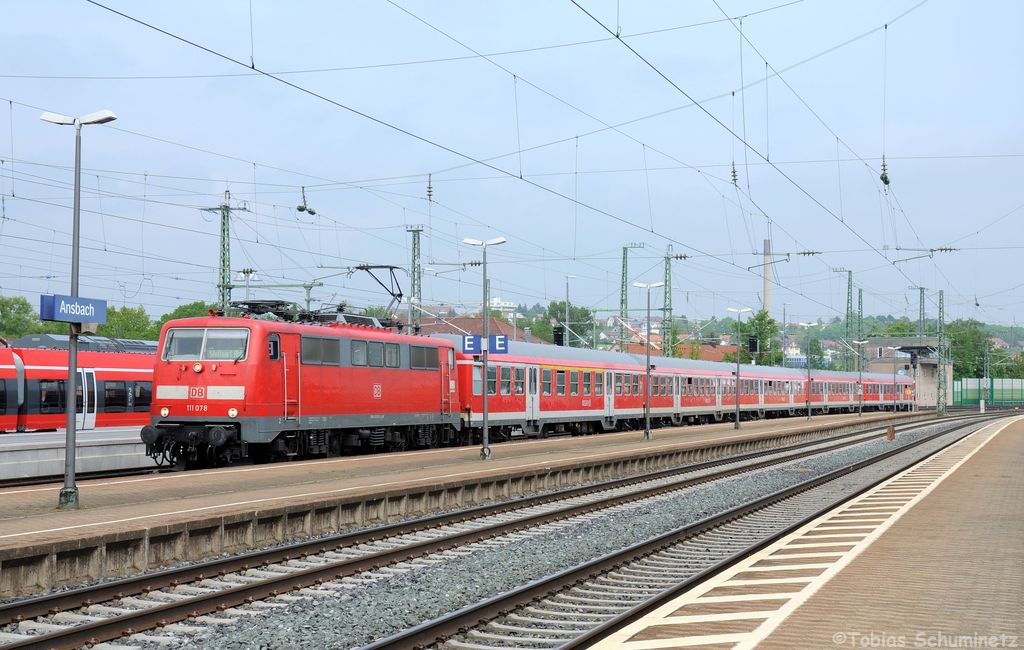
(532, 392)
(85, 399)
(291, 366)
(609, 393)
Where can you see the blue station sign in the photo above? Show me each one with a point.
(496, 344)
(72, 309)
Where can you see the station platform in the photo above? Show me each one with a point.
(131, 524)
(41, 454)
(932, 558)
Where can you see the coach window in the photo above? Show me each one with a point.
(478, 382)
(618, 383)
(574, 382)
(546, 381)
(492, 380)
(586, 382)
(50, 393)
(391, 355)
(636, 384)
(506, 380)
(375, 354)
(115, 397)
(274, 347)
(358, 354)
(520, 381)
(599, 384)
(143, 396)
(560, 382)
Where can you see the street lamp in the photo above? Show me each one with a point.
(647, 384)
(567, 340)
(68, 498)
(860, 376)
(808, 326)
(894, 348)
(739, 319)
(485, 446)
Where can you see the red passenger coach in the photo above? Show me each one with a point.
(113, 389)
(232, 388)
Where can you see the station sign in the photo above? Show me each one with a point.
(496, 344)
(72, 309)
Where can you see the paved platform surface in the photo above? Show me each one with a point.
(110, 506)
(932, 558)
(41, 453)
(950, 573)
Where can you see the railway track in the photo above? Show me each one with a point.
(211, 591)
(577, 607)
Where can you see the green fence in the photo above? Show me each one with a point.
(967, 392)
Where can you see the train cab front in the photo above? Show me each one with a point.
(199, 394)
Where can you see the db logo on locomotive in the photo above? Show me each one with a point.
(197, 392)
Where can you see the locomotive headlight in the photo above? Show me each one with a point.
(232, 412)
(198, 367)
(164, 412)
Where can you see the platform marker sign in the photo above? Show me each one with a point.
(496, 344)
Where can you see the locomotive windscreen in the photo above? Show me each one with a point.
(212, 344)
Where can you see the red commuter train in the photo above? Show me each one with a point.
(227, 389)
(113, 388)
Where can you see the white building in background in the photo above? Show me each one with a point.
(507, 309)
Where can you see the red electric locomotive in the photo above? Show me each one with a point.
(233, 388)
(113, 389)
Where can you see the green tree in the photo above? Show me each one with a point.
(967, 340)
(901, 327)
(17, 318)
(127, 323)
(766, 330)
(189, 310)
(581, 321)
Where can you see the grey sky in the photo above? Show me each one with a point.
(953, 139)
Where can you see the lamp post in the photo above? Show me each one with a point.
(808, 326)
(568, 341)
(894, 348)
(647, 381)
(739, 319)
(68, 498)
(485, 446)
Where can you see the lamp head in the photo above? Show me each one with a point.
(57, 118)
(99, 117)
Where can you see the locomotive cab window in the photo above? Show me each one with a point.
(274, 347)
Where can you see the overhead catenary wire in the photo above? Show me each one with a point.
(404, 131)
